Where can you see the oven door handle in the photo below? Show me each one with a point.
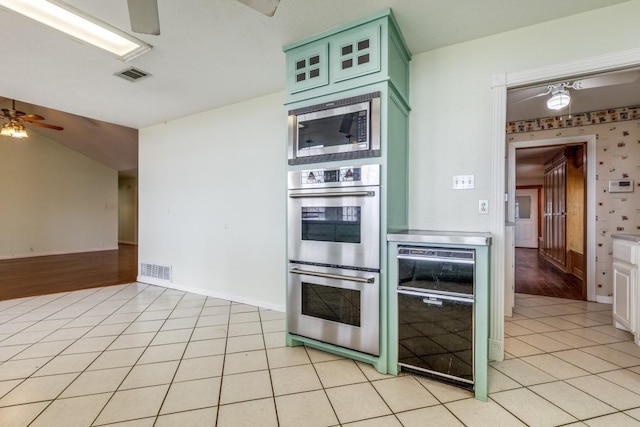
(333, 194)
(332, 276)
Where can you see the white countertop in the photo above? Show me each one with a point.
(631, 237)
(435, 236)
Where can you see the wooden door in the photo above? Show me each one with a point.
(554, 232)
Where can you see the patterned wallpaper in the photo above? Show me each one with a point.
(617, 157)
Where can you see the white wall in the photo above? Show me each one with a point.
(227, 166)
(54, 200)
(212, 200)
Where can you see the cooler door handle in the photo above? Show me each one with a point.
(437, 259)
(431, 297)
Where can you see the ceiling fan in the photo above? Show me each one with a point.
(561, 97)
(17, 119)
(143, 14)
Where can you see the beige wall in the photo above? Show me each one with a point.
(54, 200)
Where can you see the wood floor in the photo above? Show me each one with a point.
(536, 276)
(60, 273)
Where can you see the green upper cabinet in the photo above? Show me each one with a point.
(355, 53)
(308, 67)
(368, 51)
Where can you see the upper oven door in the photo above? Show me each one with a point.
(335, 226)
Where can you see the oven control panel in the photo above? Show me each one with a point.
(331, 175)
(335, 177)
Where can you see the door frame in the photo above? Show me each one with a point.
(590, 203)
(499, 228)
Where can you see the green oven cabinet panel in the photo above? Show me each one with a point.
(380, 29)
(368, 51)
(308, 67)
(481, 310)
(355, 53)
(394, 122)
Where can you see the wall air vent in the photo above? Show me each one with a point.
(162, 272)
(132, 74)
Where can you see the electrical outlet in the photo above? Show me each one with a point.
(483, 207)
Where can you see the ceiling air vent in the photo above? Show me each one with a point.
(132, 74)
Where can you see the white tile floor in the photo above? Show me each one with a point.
(139, 356)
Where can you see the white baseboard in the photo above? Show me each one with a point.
(209, 293)
(604, 300)
(496, 350)
(36, 254)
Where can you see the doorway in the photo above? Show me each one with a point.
(548, 259)
(502, 295)
(550, 222)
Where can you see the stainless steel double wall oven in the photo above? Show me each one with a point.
(334, 256)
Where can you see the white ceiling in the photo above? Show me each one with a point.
(614, 90)
(215, 53)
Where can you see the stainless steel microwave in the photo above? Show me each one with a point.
(338, 130)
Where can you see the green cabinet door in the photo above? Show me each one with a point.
(307, 67)
(355, 53)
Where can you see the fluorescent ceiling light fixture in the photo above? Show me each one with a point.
(559, 99)
(79, 25)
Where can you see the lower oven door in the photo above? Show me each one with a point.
(336, 306)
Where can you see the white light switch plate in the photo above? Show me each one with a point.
(463, 182)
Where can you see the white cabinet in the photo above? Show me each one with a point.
(624, 288)
(626, 298)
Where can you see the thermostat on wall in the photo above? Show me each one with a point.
(620, 186)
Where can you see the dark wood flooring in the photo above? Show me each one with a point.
(536, 276)
(25, 277)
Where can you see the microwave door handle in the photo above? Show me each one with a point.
(333, 194)
(332, 276)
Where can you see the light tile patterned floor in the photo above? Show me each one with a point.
(140, 356)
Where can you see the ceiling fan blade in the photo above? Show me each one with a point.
(266, 7)
(5, 112)
(143, 15)
(31, 117)
(607, 80)
(45, 125)
(535, 96)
